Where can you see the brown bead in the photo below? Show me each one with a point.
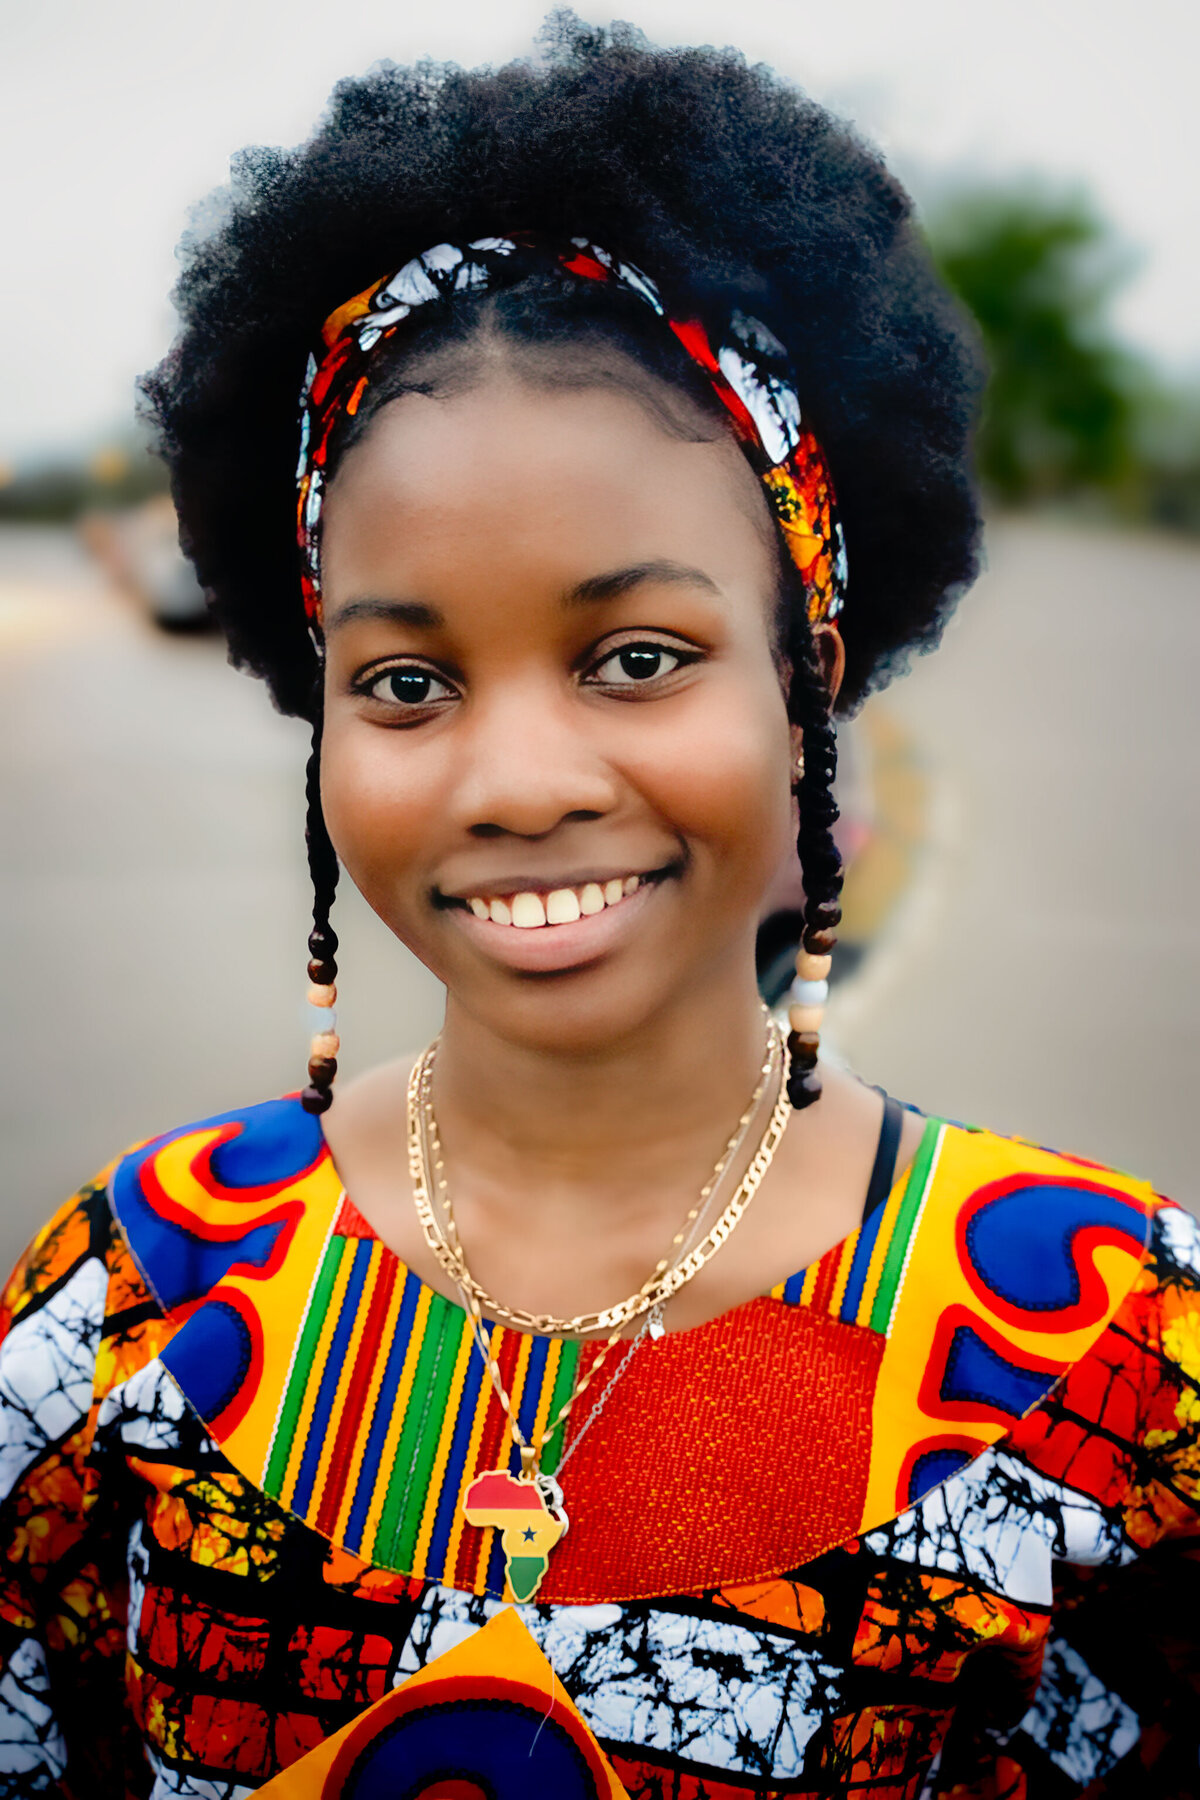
(316, 1100)
(825, 916)
(323, 973)
(803, 1049)
(322, 941)
(804, 1088)
(819, 943)
(321, 1070)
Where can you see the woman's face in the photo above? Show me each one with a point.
(551, 694)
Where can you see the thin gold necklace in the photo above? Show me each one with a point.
(665, 1279)
(528, 1510)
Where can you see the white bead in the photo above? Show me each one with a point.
(809, 993)
(320, 1018)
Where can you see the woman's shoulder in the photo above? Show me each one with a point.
(160, 1194)
(1042, 1241)
(202, 1196)
(997, 1269)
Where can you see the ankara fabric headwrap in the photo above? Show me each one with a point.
(745, 373)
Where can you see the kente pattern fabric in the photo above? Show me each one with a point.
(924, 1521)
(748, 372)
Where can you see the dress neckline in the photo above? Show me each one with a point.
(884, 1186)
(353, 1396)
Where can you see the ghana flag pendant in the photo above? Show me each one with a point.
(527, 1511)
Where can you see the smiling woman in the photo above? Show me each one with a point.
(595, 702)
(633, 445)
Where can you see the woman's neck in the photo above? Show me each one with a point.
(606, 1125)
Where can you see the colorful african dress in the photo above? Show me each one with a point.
(922, 1521)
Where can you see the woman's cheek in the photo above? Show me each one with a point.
(376, 812)
(726, 792)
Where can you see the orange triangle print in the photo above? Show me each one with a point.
(490, 1718)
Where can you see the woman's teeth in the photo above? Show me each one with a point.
(562, 906)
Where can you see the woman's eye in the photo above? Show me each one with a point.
(408, 687)
(636, 662)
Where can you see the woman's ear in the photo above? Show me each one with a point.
(796, 734)
(831, 659)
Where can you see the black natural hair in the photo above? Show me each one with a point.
(729, 188)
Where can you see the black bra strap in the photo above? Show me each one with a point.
(884, 1171)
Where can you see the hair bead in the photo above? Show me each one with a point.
(322, 939)
(812, 968)
(805, 1018)
(826, 915)
(317, 1097)
(804, 1086)
(808, 993)
(809, 707)
(818, 943)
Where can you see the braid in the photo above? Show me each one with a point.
(322, 941)
(820, 859)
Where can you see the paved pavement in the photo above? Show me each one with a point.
(1038, 972)
(1042, 973)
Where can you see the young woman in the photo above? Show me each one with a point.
(632, 444)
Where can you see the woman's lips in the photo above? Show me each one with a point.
(526, 941)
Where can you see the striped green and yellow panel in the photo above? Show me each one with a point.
(859, 1280)
(388, 1415)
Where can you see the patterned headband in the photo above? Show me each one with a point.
(744, 375)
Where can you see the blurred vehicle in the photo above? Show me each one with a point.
(139, 548)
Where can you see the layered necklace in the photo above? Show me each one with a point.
(528, 1509)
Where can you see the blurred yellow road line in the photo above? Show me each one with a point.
(898, 784)
(896, 886)
(32, 613)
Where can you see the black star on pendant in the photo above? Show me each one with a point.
(529, 1534)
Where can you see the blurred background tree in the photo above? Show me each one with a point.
(1069, 414)
(1038, 270)
(118, 473)
(1072, 418)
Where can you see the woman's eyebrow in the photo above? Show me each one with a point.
(619, 581)
(397, 612)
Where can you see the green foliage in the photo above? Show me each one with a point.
(1037, 270)
(56, 492)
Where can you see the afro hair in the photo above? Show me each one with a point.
(723, 182)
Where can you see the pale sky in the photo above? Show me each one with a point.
(117, 115)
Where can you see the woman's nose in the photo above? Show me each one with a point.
(527, 764)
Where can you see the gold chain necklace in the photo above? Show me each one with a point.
(664, 1279)
(528, 1510)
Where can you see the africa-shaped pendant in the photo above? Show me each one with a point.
(529, 1516)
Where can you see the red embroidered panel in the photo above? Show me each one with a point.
(782, 1391)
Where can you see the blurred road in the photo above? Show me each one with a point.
(1042, 976)
(1039, 975)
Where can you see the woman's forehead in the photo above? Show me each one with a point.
(506, 469)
